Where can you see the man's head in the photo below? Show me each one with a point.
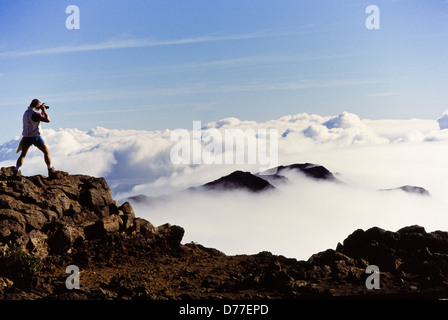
(35, 104)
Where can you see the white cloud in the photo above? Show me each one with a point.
(304, 217)
(443, 121)
(399, 130)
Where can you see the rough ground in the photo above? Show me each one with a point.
(49, 223)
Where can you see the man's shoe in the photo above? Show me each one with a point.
(51, 172)
(17, 173)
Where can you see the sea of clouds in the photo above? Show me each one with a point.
(301, 217)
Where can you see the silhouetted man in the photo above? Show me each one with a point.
(31, 133)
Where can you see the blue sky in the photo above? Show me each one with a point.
(151, 65)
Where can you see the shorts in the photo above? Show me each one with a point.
(28, 141)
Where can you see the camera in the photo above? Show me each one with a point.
(45, 106)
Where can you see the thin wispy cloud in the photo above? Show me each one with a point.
(382, 94)
(265, 60)
(139, 43)
(201, 88)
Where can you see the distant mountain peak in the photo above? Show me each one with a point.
(311, 170)
(240, 180)
(411, 189)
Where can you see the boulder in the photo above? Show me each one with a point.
(111, 223)
(127, 215)
(171, 235)
(37, 244)
(63, 236)
(143, 227)
(12, 225)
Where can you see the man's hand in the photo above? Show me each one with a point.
(44, 112)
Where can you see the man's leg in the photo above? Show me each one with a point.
(22, 156)
(44, 149)
(47, 157)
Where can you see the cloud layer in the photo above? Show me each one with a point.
(303, 217)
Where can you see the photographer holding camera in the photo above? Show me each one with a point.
(31, 133)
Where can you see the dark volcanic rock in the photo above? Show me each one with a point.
(48, 224)
(411, 189)
(59, 217)
(311, 170)
(410, 254)
(239, 180)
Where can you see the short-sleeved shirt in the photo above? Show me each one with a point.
(31, 123)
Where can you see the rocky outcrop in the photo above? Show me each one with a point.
(49, 216)
(264, 181)
(411, 189)
(310, 170)
(48, 224)
(410, 253)
(239, 180)
(61, 216)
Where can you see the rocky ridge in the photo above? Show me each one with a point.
(48, 224)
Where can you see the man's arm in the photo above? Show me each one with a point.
(43, 116)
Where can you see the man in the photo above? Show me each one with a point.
(31, 133)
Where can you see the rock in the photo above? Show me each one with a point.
(106, 225)
(365, 244)
(330, 257)
(410, 250)
(127, 215)
(5, 283)
(122, 285)
(412, 230)
(12, 225)
(311, 170)
(63, 236)
(7, 172)
(111, 223)
(144, 227)
(92, 198)
(172, 235)
(239, 180)
(35, 219)
(411, 189)
(37, 244)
